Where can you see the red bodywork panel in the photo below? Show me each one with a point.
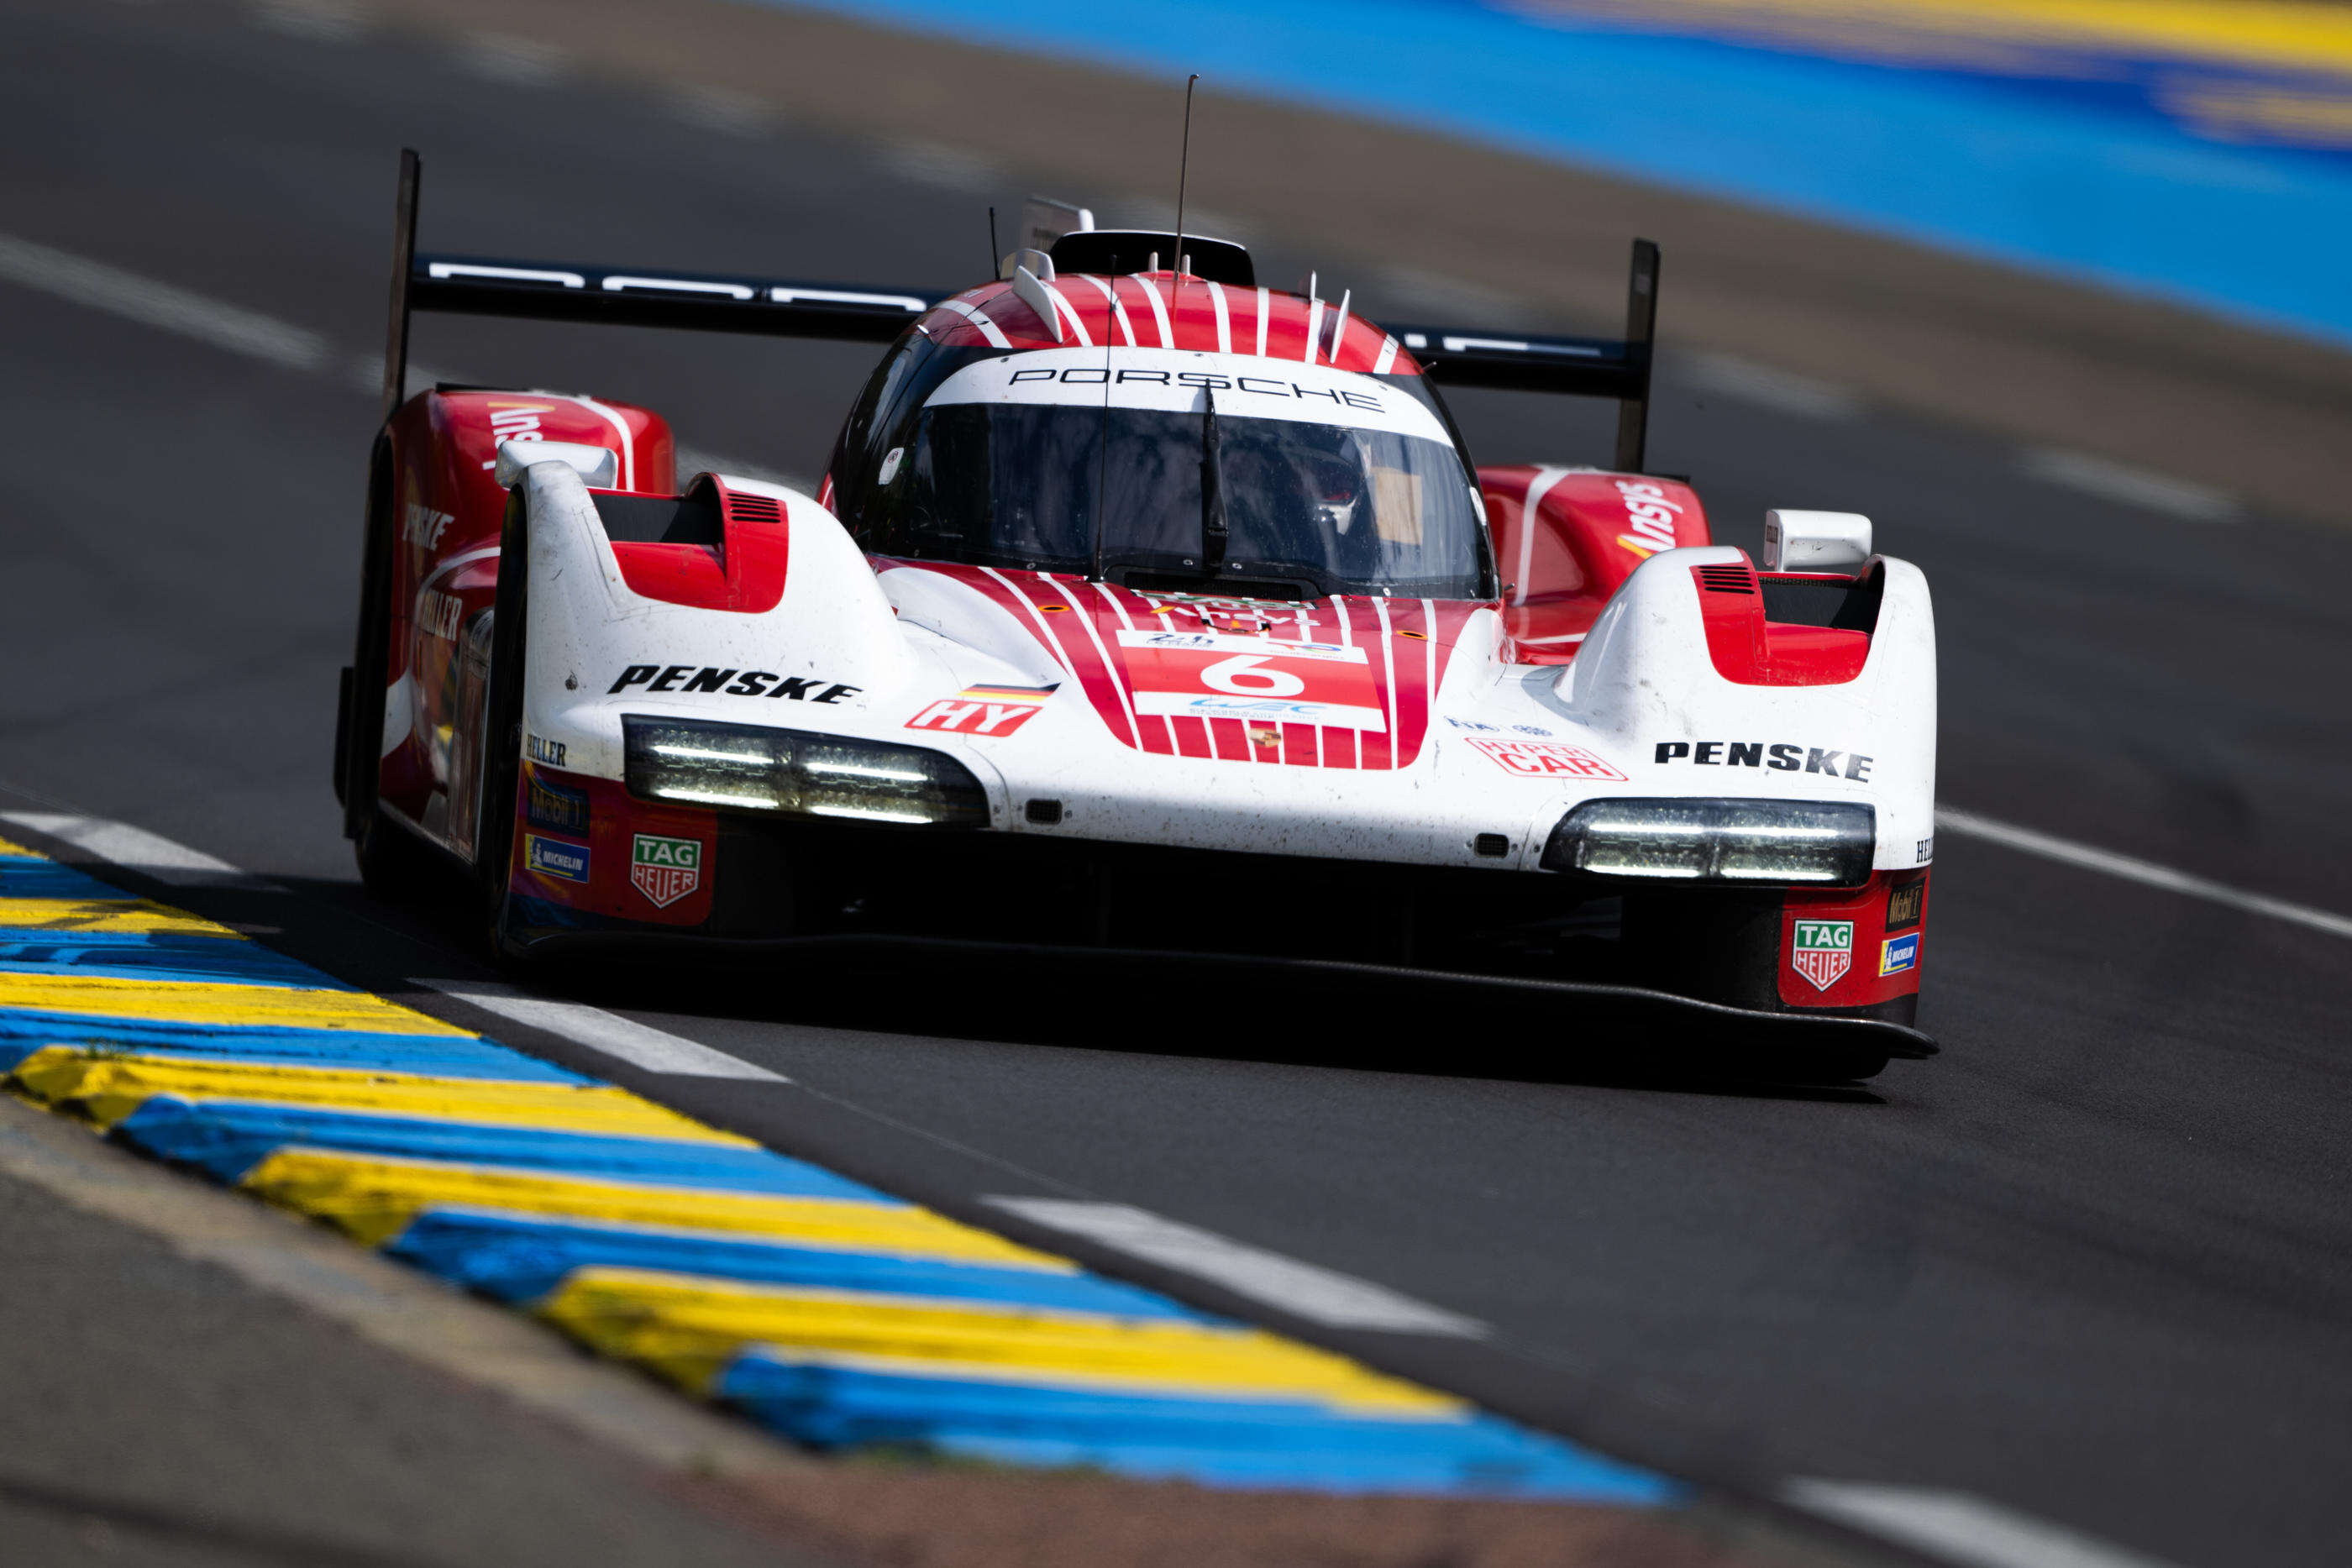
(1588, 532)
(1877, 930)
(745, 574)
(1585, 534)
(587, 829)
(447, 511)
(1754, 652)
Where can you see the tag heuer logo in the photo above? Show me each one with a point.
(1822, 951)
(665, 870)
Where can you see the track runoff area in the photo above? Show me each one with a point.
(837, 1315)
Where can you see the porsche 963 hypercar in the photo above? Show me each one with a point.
(1143, 609)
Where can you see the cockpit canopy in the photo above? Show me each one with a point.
(1325, 481)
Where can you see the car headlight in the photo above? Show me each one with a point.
(751, 767)
(1718, 841)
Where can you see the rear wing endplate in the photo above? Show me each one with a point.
(1583, 367)
(794, 308)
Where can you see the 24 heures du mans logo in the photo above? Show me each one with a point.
(1821, 951)
(665, 870)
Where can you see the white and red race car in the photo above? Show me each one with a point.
(1143, 609)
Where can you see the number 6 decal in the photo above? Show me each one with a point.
(1241, 675)
(1203, 675)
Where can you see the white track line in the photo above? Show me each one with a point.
(1967, 825)
(136, 849)
(241, 331)
(1959, 1528)
(1303, 1290)
(2131, 486)
(142, 299)
(624, 1040)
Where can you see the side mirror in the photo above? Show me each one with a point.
(597, 466)
(1816, 541)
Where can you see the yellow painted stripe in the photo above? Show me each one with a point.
(2300, 36)
(106, 1086)
(689, 1329)
(11, 846)
(131, 915)
(374, 1199)
(211, 1002)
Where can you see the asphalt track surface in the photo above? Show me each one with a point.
(2094, 1263)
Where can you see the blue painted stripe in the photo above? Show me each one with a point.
(28, 876)
(228, 1138)
(12, 937)
(1248, 1443)
(157, 957)
(1562, 1474)
(437, 1056)
(521, 1258)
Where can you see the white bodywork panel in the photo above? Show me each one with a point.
(1643, 681)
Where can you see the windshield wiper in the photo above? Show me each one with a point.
(1214, 533)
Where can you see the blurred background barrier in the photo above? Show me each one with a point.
(2020, 222)
(2196, 150)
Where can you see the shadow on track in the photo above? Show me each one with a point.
(1205, 1010)
(1202, 1009)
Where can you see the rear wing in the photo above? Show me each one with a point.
(1580, 367)
(797, 308)
(641, 296)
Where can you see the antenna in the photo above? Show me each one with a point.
(996, 257)
(403, 257)
(1184, 173)
(1102, 443)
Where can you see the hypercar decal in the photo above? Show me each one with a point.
(1542, 758)
(1366, 668)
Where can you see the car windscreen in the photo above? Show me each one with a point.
(1329, 481)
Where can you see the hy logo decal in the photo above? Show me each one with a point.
(1822, 951)
(665, 870)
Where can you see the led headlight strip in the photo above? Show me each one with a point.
(1827, 842)
(751, 767)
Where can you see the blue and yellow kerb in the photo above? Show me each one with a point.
(837, 1315)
